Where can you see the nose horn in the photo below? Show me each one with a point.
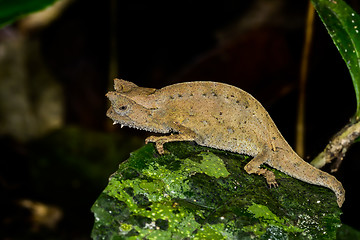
(111, 96)
(121, 85)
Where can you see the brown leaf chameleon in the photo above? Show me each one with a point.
(215, 115)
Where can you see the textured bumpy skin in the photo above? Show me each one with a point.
(215, 115)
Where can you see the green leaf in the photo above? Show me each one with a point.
(343, 25)
(11, 10)
(202, 193)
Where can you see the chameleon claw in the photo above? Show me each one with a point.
(270, 179)
(273, 184)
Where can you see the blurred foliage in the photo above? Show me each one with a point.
(202, 193)
(85, 158)
(346, 232)
(343, 25)
(64, 170)
(15, 9)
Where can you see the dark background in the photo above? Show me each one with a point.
(254, 45)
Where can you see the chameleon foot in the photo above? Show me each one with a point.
(269, 176)
(159, 143)
(270, 179)
(184, 134)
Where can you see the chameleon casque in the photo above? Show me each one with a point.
(215, 115)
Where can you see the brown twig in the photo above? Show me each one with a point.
(338, 146)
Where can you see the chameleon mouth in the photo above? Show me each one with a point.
(111, 113)
(128, 122)
(121, 120)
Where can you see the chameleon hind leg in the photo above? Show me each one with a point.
(184, 134)
(254, 167)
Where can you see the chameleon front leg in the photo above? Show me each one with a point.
(254, 167)
(184, 134)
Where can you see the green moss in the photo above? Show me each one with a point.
(268, 219)
(201, 193)
(210, 165)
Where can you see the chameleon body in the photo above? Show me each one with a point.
(215, 115)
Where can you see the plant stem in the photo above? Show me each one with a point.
(338, 146)
(300, 124)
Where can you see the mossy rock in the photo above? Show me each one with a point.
(194, 192)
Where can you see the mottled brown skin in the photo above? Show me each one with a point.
(215, 115)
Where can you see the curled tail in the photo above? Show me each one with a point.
(296, 167)
(329, 181)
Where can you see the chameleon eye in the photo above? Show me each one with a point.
(122, 110)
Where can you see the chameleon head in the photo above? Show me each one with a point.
(126, 112)
(140, 95)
